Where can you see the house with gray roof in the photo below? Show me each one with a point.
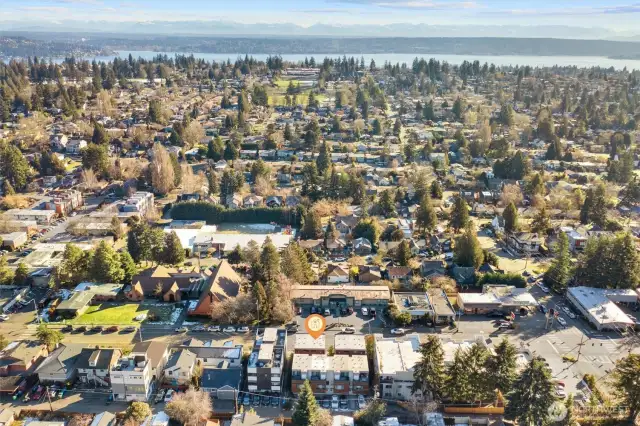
(179, 368)
(60, 365)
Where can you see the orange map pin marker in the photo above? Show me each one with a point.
(315, 325)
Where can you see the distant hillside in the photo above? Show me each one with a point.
(22, 47)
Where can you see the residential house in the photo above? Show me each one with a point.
(131, 378)
(336, 274)
(345, 224)
(400, 273)
(524, 243)
(21, 357)
(13, 240)
(369, 274)
(179, 368)
(350, 365)
(394, 361)
(313, 246)
(60, 366)
(157, 355)
(74, 306)
(337, 247)
(252, 200)
(75, 145)
(577, 241)
(93, 365)
(274, 201)
(362, 246)
(432, 268)
(250, 418)
(443, 312)
(464, 275)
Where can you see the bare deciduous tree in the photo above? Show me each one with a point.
(33, 129)
(511, 194)
(190, 407)
(193, 134)
(105, 104)
(162, 174)
(263, 186)
(89, 179)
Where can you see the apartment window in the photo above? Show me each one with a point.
(339, 387)
(357, 388)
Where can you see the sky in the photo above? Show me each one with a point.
(614, 15)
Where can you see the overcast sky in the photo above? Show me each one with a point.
(611, 14)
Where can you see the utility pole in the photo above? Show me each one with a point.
(140, 333)
(580, 346)
(46, 389)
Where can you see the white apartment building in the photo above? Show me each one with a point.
(131, 379)
(394, 362)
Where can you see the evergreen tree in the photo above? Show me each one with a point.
(230, 152)
(459, 215)
(177, 170)
(507, 116)
(324, 159)
(288, 134)
(403, 253)
(559, 272)
(105, 266)
(467, 251)
(295, 265)
(456, 384)
(594, 208)
(426, 217)
(236, 256)
(95, 157)
(173, 253)
(312, 226)
(367, 228)
(436, 190)
(100, 135)
(570, 418)
(21, 275)
(13, 166)
(502, 367)
(269, 261)
(532, 395)
(377, 127)
(541, 222)
(49, 337)
(475, 359)
(387, 204)
(536, 185)
(306, 410)
(510, 216)
(215, 149)
(128, 267)
(429, 372)
(627, 385)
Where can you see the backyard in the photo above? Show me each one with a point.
(123, 314)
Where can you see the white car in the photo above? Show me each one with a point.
(213, 328)
(4, 317)
(229, 330)
(348, 330)
(365, 312)
(181, 330)
(243, 329)
(562, 321)
(398, 331)
(335, 402)
(361, 402)
(198, 328)
(340, 259)
(560, 392)
(543, 288)
(568, 312)
(169, 395)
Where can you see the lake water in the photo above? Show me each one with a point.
(380, 58)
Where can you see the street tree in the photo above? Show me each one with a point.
(510, 216)
(426, 217)
(49, 337)
(502, 366)
(429, 372)
(138, 411)
(172, 253)
(626, 384)
(306, 409)
(403, 253)
(532, 395)
(189, 408)
(558, 274)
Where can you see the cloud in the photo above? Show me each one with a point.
(44, 9)
(327, 10)
(425, 4)
(571, 11)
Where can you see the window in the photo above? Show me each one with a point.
(339, 387)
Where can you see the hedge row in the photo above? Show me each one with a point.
(215, 214)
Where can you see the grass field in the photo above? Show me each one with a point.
(276, 95)
(120, 314)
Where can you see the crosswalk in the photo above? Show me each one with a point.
(559, 344)
(597, 359)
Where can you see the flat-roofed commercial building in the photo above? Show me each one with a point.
(394, 362)
(598, 305)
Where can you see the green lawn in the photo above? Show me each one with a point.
(120, 314)
(283, 84)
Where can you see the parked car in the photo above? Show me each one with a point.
(373, 312)
(67, 329)
(257, 399)
(361, 402)
(340, 259)
(213, 328)
(168, 395)
(111, 329)
(129, 329)
(365, 312)
(344, 404)
(335, 402)
(542, 308)
(544, 288)
(326, 402)
(159, 396)
(398, 331)
(505, 325)
(495, 314)
(266, 401)
(81, 329)
(198, 328)
(327, 313)
(96, 329)
(229, 330)
(562, 321)
(243, 329)
(181, 329)
(246, 400)
(275, 401)
(348, 330)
